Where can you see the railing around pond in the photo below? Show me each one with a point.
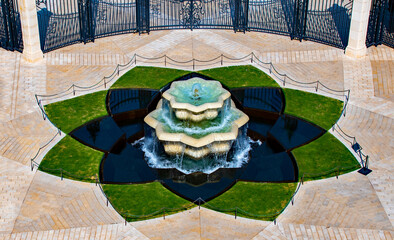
(221, 60)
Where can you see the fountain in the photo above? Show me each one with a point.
(192, 139)
(197, 119)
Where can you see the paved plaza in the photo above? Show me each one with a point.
(36, 205)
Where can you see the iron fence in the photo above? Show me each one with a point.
(10, 26)
(64, 22)
(381, 23)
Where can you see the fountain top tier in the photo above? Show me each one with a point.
(206, 121)
(196, 99)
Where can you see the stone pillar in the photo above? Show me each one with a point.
(356, 47)
(31, 39)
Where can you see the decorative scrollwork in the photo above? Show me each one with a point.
(52, 29)
(191, 16)
(278, 12)
(102, 15)
(40, 4)
(224, 8)
(155, 8)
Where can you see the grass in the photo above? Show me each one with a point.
(320, 110)
(318, 159)
(144, 201)
(260, 200)
(78, 161)
(72, 113)
(324, 157)
(240, 76)
(148, 77)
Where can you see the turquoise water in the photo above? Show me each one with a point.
(220, 124)
(196, 91)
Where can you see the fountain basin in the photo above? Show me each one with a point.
(204, 106)
(213, 143)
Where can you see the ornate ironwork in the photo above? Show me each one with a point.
(10, 27)
(52, 29)
(327, 21)
(155, 8)
(381, 23)
(224, 8)
(102, 15)
(191, 13)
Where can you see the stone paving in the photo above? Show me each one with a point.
(36, 205)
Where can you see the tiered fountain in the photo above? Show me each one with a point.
(197, 119)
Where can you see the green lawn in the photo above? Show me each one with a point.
(318, 159)
(144, 201)
(240, 76)
(323, 158)
(148, 77)
(320, 110)
(254, 200)
(78, 161)
(72, 113)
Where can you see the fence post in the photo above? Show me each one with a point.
(165, 60)
(107, 200)
(284, 80)
(275, 221)
(251, 58)
(135, 59)
(105, 83)
(337, 173)
(193, 64)
(221, 59)
(366, 162)
(270, 67)
(73, 89)
(61, 174)
(317, 86)
(117, 67)
(31, 164)
(235, 213)
(164, 213)
(292, 200)
(125, 221)
(40, 106)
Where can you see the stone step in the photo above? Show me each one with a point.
(110, 232)
(300, 231)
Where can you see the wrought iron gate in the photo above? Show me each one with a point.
(191, 14)
(64, 22)
(10, 26)
(381, 23)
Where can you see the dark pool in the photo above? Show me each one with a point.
(270, 161)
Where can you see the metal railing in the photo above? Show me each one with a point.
(221, 60)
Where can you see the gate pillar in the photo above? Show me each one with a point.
(240, 21)
(142, 15)
(356, 47)
(31, 38)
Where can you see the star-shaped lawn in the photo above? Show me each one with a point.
(270, 161)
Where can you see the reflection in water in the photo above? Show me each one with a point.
(267, 161)
(93, 129)
(290, 126)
